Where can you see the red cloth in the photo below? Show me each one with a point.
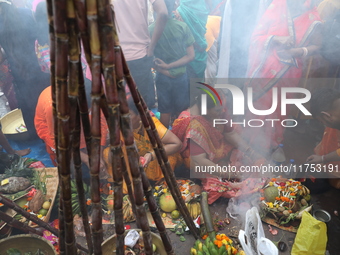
(264, 62)
(217, 188)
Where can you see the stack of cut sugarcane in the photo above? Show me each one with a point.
(89, 24)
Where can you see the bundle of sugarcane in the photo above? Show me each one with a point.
(74, 23)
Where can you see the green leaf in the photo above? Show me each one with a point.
(182, 239)
(49, 176)
(178, 233)
(172, 230)
(13, 251)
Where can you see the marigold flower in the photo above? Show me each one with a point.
(299, 187)
(204, 237)
(219, 244)
(108, 185)
(111, 192)
(165, 190)
(273, 179)
(1, 204)
(39, 216)
(277, 198)
(157, 188)
(225, 242)
(192, 194)
(29, 198)
(155, 194)
(218, 237)
(261, 198)
(88, 202)
(28, 210)
(292, 194)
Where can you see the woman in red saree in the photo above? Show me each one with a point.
(205, 145)
(288, 32)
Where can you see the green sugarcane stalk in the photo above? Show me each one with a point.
(159, 150)
(92, 20)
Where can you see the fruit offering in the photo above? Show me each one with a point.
(284, 199)
(189, 189)
(220, 245)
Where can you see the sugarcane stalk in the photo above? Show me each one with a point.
(153, 207)
(79, 182)
(128, 183)
(10, 204)
(159, 149)
(107, 50)
(75, 71)
(50, 11)
(207, 216)
(61, 7)
(80, 9)
(19, 225)
(133, 160)
(92, 20)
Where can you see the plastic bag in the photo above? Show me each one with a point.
(253, 240)
(311, 237)
(131, 238)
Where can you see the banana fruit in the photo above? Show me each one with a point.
(304, 191)
(194, 209)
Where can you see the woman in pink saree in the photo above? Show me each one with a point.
(288, 32)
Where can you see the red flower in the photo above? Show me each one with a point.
(32, 192)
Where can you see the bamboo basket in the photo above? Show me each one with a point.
(27, 243)
(51, 189)
(109, 245)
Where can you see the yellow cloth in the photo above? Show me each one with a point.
(153, 171)
(213, 30)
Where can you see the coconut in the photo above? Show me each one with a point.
(167, 203)
(271, 193)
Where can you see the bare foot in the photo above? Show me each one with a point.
(23, 152)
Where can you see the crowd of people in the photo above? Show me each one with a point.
(170, 43)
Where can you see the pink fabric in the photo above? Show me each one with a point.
(132, 24)
(35, 4)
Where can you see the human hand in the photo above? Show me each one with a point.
(314, 159)
(148, 158)
(284, 41)
(161, 64)
(290, 53)
(149, 51)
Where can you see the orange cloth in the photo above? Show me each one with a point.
(153, 171)
(213, 30)
(44, 124)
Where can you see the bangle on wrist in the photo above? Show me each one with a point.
(151, 155)
(305, 52)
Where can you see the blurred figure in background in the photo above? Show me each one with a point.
(17, 38)
(138, 47)
(173, 52)
(195, 14)
(287, 33)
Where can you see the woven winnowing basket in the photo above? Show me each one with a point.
(52, 184)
